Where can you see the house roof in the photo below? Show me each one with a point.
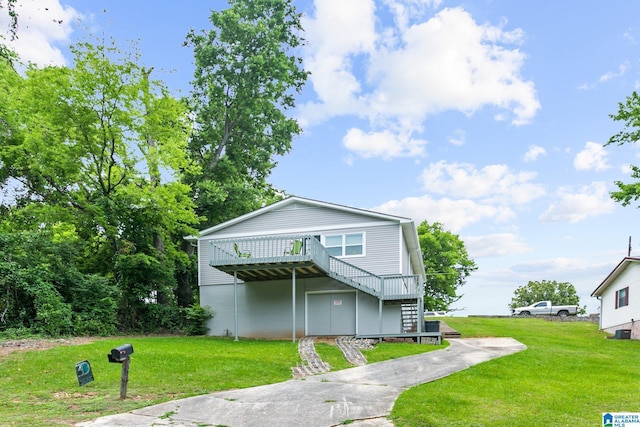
(408, 227)
(617, 271)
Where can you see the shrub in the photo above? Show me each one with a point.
(197, 317)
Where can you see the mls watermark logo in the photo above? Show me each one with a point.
(620, 419)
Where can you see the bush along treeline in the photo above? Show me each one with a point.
(45, 293)
(103, 172)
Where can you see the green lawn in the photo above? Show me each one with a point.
(40, 388)
(569, 375)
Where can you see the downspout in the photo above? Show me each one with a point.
(235, 303)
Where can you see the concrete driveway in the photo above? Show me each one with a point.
(364, 394)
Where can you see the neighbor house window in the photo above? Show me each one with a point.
(622, 297)
(345, 244)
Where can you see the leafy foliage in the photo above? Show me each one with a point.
(447, 265)
(197, 317)
(243, 88)
(88, 150)
(629, 114)
(559, 293)
(10, 5)
(41, 289)
(107, 172)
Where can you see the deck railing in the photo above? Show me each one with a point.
(284, 248)
(307, 248)
(398, 286)
(346, 273)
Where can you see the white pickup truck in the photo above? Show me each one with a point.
(545, 308)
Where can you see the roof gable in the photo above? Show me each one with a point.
(611, 278)
(290, 202)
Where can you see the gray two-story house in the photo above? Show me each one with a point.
(302, 267)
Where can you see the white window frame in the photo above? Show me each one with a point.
(344, 245)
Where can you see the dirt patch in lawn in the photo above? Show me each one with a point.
(8, 347)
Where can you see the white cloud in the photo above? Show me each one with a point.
(622, 69)
(629, 36)
(534, 152)
(451, 63)
(609, 75)
(495, 245)
(419, 67)
(574, 206)
(457, 137)
(492, 182)
(337, 31)
(584, 273)
(383, 144)
(41, 25)
(453, 214)
(404, 11)
(593, 157)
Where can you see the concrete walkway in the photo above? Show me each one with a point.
(364, 394)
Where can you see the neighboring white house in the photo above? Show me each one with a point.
(619, 295)
(303, 267)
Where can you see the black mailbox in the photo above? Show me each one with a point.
(119, 354)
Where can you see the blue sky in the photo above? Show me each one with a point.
(487, 116)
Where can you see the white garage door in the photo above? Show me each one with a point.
(331, 313)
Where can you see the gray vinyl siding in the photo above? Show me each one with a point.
(405, 260)
(383, 239)
(294, 219)
(265, 309)
(208, 275)
(382, 249)
(368, 321)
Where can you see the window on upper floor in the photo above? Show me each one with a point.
(339, 245)
(622, 297)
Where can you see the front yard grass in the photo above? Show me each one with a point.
(40, 387)
(569, 375)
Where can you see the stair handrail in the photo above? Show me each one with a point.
(356, 274)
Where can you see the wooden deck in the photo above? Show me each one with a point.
(421, 337)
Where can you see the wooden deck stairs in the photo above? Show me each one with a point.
(447, 331)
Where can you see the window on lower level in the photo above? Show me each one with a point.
(351, 244)
(622, 297)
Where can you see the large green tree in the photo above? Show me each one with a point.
(102, 146)
(559, 293)
(246, 78)
(447, 265)
(629, 114)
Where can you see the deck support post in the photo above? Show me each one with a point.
(380, 305)
(293, 303)
(235, 304)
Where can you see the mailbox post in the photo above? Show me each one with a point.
(121, 355)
